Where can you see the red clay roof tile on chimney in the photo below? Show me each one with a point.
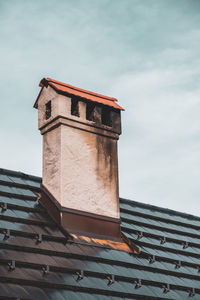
(72, 90)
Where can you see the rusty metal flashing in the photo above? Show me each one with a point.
(91, 226)
(105, 231)
(132, 245)
(103, 243)
(76, 221)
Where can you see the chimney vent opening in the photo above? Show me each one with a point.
(74, 107)
(90, 111)
(106, 116)
(48, 110)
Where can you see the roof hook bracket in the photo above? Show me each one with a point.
(166, 288)
(185, 245)
(80, 275)
(6, 234)
(192, 292)
(3, 206)
(11, 265)
(138, 283)
(111, 279)
(45, 270)
(152, 259)
(140, 235)
(39, 238)
(163, 240)
(177, 264)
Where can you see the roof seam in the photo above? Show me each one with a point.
(159, 228)
(143, 255)
(76, 288)
(61, 269)
(162, 219)
(169, 239)
(159, 209)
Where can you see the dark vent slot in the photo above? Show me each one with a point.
(90, 111)
(48, 110)
(74, 107)
(106, 117)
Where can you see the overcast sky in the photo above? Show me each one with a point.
(143, 52)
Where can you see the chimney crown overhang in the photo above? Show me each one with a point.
(80, 163)
(67, 89)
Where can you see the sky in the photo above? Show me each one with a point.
(143, 52)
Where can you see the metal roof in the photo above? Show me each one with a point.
(67, 89)
(39, 261)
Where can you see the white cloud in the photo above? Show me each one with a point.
(159, 149)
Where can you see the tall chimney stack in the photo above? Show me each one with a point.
(80, 162)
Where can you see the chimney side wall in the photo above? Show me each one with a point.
(51, 177)
(89, 172)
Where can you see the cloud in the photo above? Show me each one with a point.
(159, 149)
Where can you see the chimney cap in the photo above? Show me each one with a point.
(65, 88)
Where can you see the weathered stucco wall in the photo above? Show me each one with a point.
(51, 170)
(89, 176)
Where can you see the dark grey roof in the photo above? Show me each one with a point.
(38, 261)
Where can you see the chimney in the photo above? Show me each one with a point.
(80, 131)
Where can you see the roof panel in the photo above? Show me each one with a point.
(26, 219)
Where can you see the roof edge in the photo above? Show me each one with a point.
(20, 175)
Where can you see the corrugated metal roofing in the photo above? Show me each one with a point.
(37, 261)
(72, 90)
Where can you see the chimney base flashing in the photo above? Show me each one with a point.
(90, 225)
(81, 222)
